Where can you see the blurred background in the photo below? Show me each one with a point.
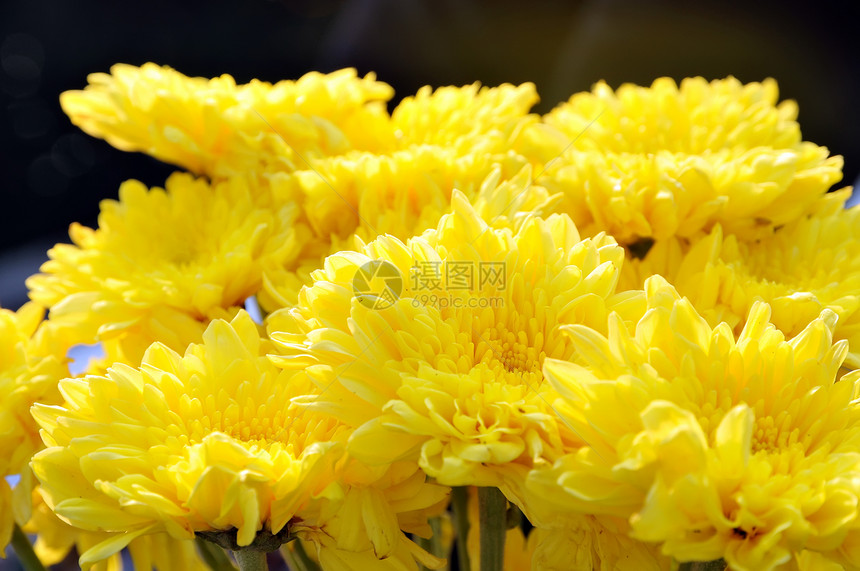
(52, 174)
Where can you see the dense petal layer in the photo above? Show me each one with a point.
(810, 264)
(148, 449)
(714, 446)
(215, 127)
(462, 319)
(668, 160)
(163, 262)
(30, 367)
(207, 443)
(352, 200)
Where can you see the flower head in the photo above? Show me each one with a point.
(149, 449)
(55, 539)
(660, 161)
(444, 365)
(566, 537)
(218, 128)
(586, 544)
(465, 119)
(207, 443)
(810, 264)
(352, 200)
(408, 190)
(29, 370)
(451, 138)
(714, 446)
(164, 262)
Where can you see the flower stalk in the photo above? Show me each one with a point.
(24, 550)
(716, 565)
(215, 557)
(433, 544)
(492, 507)
(297, 558)
(251, 560)
(460, 503)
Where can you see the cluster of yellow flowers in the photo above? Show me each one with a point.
(632, 323)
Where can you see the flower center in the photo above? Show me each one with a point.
(511, 356)
(772, 436)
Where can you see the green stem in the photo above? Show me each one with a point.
(297, 558)
(433, 544)
(492, 506)
(716, 565)
(436, 547)
(251, 560)
(24, 550)
(215, 557)
(460, 503)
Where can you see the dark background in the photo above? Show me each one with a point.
(52, 174)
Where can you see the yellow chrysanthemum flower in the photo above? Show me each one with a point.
(566, 539)
(29, 371)
(218, 128)
(445, 139)
(587, 545)
(164, 262)
(464, 119)
(208, 444)
(184, 444)
(354, 165)
(214, 127)
(434, 347)
(31, 365)
(808, 265)
(715, 447)
(398, 195)
(364, 527)
(55, 539)
(404, 191)
(660, 161)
